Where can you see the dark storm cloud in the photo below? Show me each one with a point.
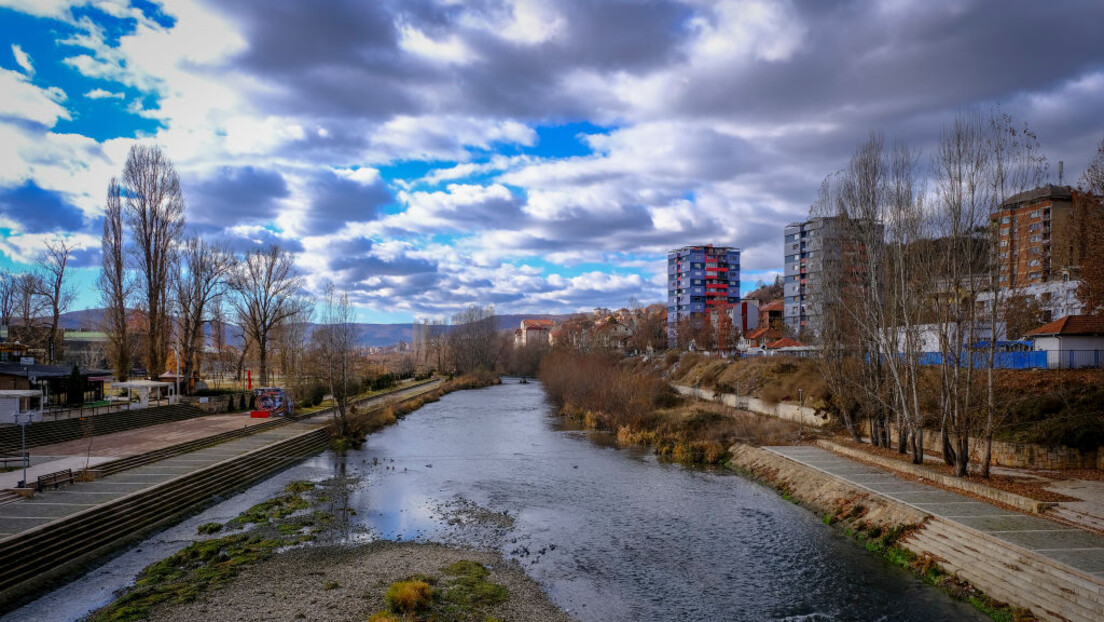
(235, 195)
(862, 65)
(337, 201)
(38, 210)
(346, 60)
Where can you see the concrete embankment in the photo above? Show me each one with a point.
(39, 556)
(1027, 575)
(790, 412)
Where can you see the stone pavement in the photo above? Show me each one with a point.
(70, 499)
(1071, 546)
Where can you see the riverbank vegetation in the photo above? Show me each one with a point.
(1044, 407)
(360, 422)
(631, 398)
(210, 564)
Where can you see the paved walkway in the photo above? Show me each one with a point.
(1073, 547)
(51, 505)
(73, 454)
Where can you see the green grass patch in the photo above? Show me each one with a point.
(207, 529)
(273, 509)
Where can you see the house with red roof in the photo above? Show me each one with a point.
(1072, 341)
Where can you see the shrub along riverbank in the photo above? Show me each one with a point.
(361, 423)
(631, 398)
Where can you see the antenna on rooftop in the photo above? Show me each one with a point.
(1061, 168)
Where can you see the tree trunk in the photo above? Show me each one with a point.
(962, 455)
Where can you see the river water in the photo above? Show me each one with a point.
(610, 533)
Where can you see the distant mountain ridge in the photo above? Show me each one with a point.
(376, 335)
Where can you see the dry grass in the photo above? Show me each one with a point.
(628, 398)
(409, 596)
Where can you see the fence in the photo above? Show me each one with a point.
(1041, 359)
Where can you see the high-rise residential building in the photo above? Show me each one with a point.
(1036, 241)
(806, 245)
(700, 280)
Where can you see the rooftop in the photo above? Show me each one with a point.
(46, 371)
(1071, 325)
(1042, 192)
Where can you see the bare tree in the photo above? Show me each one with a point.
(266, 292)
(471, 342)
(154, 211)
(57, 294)
(7, 297)
(964, 197)
(201, 279)
(29, 307)
(116, 286)
(337, 344)
(1089, 212)
(1017, 164)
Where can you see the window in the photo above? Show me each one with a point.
(1034, 263)
(1036, 227)
(1005, 220)
(1004, 232)
(1003, 243)
(1037, 238)
(1035, 214)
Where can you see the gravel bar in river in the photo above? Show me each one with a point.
(340, 583)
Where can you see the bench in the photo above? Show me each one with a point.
(6, 460)
(56, 479)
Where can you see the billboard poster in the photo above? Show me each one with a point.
(275, 400)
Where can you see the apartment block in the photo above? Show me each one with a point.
(806, 247)
(700, 280)
(1035, 238)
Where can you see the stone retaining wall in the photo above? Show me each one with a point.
(1019, 502)
(789, 412)
(216, 403)
(1005, 572)
(1017, 455)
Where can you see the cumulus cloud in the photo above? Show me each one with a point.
(399, 144)
(102, 94)
(23, 60)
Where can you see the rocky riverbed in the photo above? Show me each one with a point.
(350, 582)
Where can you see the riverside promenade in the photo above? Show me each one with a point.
(53, 504)
(1053, 568)
(47, 537)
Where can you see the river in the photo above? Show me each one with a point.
(612, 534)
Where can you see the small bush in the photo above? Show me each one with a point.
(207, 529)
(383, 616)
(409, 596)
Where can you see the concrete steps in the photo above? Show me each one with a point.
(31, 559)
(1010, 574)
(1078, 519)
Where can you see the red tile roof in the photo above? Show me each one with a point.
(1072, 325)
(785, 342)
(763, 331)
(774, 305)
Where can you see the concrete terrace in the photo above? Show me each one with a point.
(1073, 547)
(70, 499)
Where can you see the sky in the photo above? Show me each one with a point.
(538, 155)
